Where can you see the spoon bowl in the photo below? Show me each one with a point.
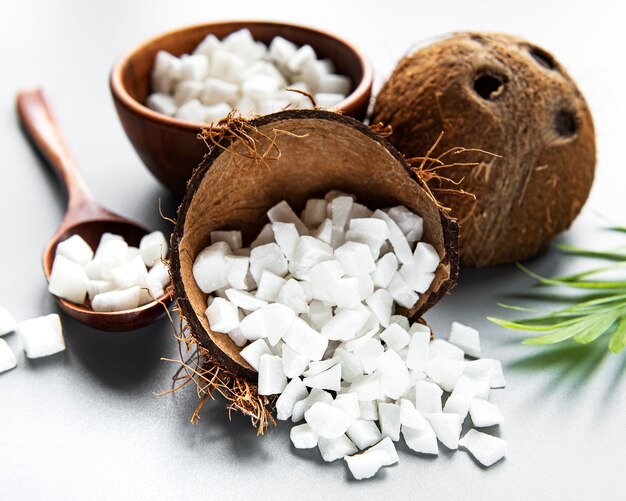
(84, 217)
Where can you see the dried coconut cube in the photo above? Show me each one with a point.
(272, 379)
(338, 211)
(417, 280)
(271, 321)
(367, 387)
(252, 353)
(465, 338)
(389, 419)
(267, 257)
(314, 212)
(283, 213)
(366, 464)
(351, 366)
(355, 258)
(458, 403)
(217, 91)
(345, 292)
(410, 417)
(302, 55)
(334, 84)
(349, 403)
(428, 397)
(496, 376)
(231, 237)
(365, 286)
(444, 371)
(223, 315)
(68, 280)
(75, 249)
(402, 292)
(386, 268)
(293, 392)
(447, 427)
(215, 112)
(210, 268)
(269, 286)
(129, 274)
(167, 70)
(425, 257)
(363, 433)
(323, 277)
(158, 278)
(345, 324)
(328, 99)
(443, 347)
(318, 366)
(237, 272)
(265, 236)
(411, 224)
(324, 232)
(476, 378)
(368, 410)
(327, 420)
(395, 337)
(303, 437)
(281, 50)
(162, 103)
(194, 67)
(394, 379)
(244, 300)
(41, 336)
(186, 91)
(95, 287)
(329, 379)
(7, 322)
(304, 405)
(294, 364)
(484, 413)
(368, 231)
(305, 340)
(487, 449)
(7, 357)
(319, 314)
(381, 304)
(208, 45)
(117, 300)
(309, 252)
(398, 241)
(419, 349)
(423, 441)
(287, 237)
(292, 295)
(237, 336)
(191, 111)
(332, 449)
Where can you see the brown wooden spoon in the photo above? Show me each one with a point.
(84, 216)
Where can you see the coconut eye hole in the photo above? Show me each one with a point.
(565, 123)
(489, 86)
(542, 57)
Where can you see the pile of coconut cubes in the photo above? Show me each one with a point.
(312, 302)
(241, 73)
(116, 277)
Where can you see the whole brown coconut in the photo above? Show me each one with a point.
(507, 96)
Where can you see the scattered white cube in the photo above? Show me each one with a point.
(41, 336)
(7, 357)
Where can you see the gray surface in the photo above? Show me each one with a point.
(85, 424)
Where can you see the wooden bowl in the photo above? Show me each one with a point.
(169, 147)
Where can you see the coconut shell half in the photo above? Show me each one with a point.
(294, 156)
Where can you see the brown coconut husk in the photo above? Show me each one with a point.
(293, 156)
(505, 95)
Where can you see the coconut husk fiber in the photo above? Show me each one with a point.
(292, 156)
(501, 94)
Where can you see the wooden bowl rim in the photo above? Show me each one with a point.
(362, 89)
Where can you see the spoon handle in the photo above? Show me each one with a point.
(43, 129)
